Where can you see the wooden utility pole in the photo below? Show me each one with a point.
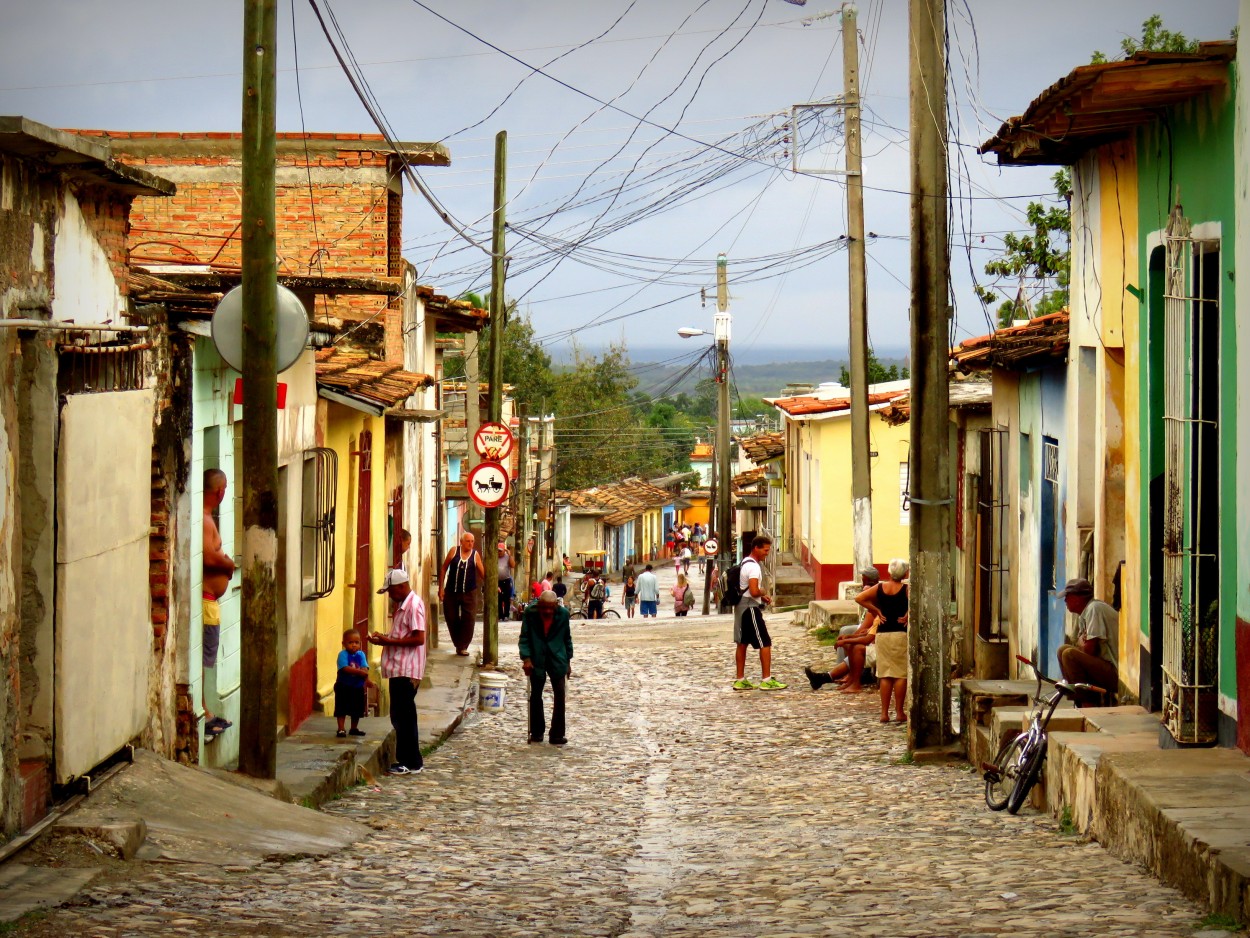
(929, 478)
(861, 469)
(523, 505)
(709, 563)
(494, 405)
(258, 717)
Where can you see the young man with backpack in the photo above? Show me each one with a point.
(598, 593)
(745, 593)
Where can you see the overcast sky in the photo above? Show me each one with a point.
(714, 70)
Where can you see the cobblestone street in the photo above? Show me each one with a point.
(678, 808)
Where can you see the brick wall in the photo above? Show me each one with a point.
(345, 221)
(105, 214)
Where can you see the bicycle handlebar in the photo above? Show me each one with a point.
(1062, 686)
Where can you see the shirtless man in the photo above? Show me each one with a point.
(218, 570)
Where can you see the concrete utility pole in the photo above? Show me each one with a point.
(494, 406)
(258, 718)
(725, 492)
(861, 446)
(929, 479)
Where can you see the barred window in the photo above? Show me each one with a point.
(321, 473)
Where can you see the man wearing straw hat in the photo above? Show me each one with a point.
(546, 648)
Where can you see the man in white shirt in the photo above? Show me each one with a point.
(403, 666)
(1091, 659)
(648, 591)
(749, 627)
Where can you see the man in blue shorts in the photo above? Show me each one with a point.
(648, 592)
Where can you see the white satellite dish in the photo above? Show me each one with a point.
(291, 329)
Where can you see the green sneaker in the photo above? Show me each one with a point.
(744, 683)
(771, 684)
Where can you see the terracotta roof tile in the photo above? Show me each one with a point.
(1045, 337)
(803, 406)
(382, 384)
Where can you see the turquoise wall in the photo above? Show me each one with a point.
(212, 447)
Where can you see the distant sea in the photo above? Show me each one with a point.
(753, 355)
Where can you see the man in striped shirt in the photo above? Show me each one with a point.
(403, 666)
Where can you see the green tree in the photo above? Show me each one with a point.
(1032, 274)
(599, 431)
(1154, 38)
(877, 372)
(525, 365)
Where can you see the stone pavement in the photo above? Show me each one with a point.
(679, 808)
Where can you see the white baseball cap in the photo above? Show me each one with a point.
(393, 578)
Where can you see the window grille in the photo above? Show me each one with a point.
(1189, 630)
(1050, 461)
(321, 473)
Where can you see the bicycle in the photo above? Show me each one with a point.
(580, 612)
(1018, 765)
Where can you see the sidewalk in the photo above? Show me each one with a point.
(158, 810)
(1183, 814)
(314, 765)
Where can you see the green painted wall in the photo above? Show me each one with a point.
(1192, 150)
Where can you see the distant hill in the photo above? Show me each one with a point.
(760, 380)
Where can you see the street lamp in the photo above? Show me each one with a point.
(724, 522)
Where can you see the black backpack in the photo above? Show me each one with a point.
(731, 591)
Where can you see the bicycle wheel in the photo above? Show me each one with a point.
(577, 614)
(1026, 776)
(611, 614)
(1000, 779)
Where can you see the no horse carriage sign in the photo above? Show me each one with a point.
(493, 442)
(488, 484)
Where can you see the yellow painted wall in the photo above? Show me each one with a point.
(1119, 266)
(829, 441)
(699, 512)
(342, 429)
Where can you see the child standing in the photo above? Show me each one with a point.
(631, 596)
(349, 689)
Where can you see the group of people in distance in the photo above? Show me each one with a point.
(878, 639)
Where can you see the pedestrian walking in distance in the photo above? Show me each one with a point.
(887, 601)
(458, 581)
(648, 591)
(546, 647)
(403, 666)
(749, 627)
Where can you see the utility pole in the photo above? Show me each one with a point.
(861, 468)
(472, 414)
(522, 504)
(929, 479)
(710, 562)
(494, 405)
(258, 717)
(724, 493)
(540, 533)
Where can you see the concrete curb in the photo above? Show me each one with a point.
(315, 767)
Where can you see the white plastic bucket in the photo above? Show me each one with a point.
(491, 691)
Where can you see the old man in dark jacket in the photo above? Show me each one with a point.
(546, 648)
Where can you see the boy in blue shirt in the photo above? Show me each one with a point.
(349, 689)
